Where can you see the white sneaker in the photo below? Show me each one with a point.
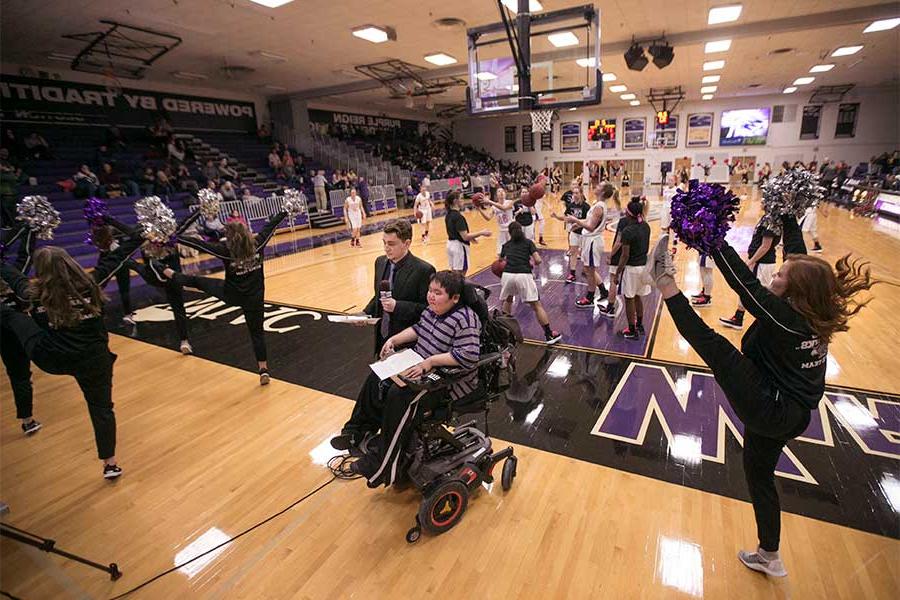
(755, 561)
(128, 319)
(660, 260)
(186, 348)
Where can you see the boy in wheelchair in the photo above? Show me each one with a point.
(448, 336)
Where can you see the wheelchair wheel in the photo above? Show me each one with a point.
(509, 472)
(444, 507)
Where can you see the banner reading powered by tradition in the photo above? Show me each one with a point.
(44, 101)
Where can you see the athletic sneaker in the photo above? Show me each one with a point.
(186, 348)
(111, 471)
(264, 377)
(570, 278)
(735, 322)
(817, 249)
(542, 242)
(755, 561)
(609, 311)
(31, 427)
(584, 302)
(701, 300)
(640, 329)
(629, 334)
(660, 264)
(343, 442)
(128, 319)
(554, 337)
(603, 295)
(700, 295)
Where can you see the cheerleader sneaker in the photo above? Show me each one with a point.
(111, 471)
(608, 311)
(735, 322)
(660, 266)
(264, 377)
(31, 427)
(629, 334)
(186, 348)
(756, 561)
(817, 249)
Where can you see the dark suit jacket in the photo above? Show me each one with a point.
(410, 290)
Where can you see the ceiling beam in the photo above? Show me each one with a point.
(837, 18)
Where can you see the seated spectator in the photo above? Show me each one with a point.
(337, 182)
(226, 172)
(210, 173)
(212, 227)
(110, 183)
(147, 181)
(275, 162)
(236, 217)
(36, 146)
(164, 185)
(86, 182)
(247, 196)
(185, 179)
(263, 133)
(174, 151)
(103, 155)
(227, 191)
(287, 165)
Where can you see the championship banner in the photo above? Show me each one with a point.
(699, 130)
(666, 134)
(44, 101)
(601, 134)
(570, 137)
(635, 130)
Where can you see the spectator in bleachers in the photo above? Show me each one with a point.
(164, 185)
(287, 165)
(263, 134)
(275, 162)
(211, 173)
(212, 227)
(185, 179)
(102, 155)
(110, 182)
(175, 150)
(319, 189)
(247, 196)
(114, 138)
(226, 172)
(237, 217)
(337, 183)
(36, 146)
(147, 181)
(227, 191)
(86, 182)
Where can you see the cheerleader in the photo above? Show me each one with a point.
(16, 362)
(503, 212)
(244, 284)
(114, 252)
(424, 205)
(518, 281)
(778, 376)
(354, 217)
(66, 336)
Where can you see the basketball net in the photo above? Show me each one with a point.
(541, 120)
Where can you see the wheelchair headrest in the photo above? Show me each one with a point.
(475, 297)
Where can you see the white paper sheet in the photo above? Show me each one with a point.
(396, 363)
(353, 319)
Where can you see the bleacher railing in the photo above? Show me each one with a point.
(260, 209)
(382, 199)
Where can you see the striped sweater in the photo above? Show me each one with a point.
(457, 332)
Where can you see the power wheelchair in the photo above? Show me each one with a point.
(448, 463)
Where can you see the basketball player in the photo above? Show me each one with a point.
(424, 204)
(665, 215)
(631, 269)
(458, 236)
(354, 217)
(502, 210)
(615, 257)
(245, 283)
(760, 260)
(592, 228)
(538, 212)
(577, 208)
(810, 224)
(778, 376)
(704, 298)
(525, 216)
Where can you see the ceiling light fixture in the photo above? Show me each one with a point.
(563, 39)
(821, 68)
(189, 76)
(609, 77)
(709, 89)
(803, 80)
(440, 59)
(513, 5)
(374, 34)
(846, 50)
(271, 3)
(717, 46)
(635, 59)
(618, 88)
(628, 96)
(713, 65)
(61, 57)
(711, 79)
(485, 76)
(789, 90)
(269, 55)
(724, 14)
(882, 25)
(586, 62)
(707, 96)
(635, 103)
(274, 88)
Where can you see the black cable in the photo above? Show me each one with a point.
(340, 466)
(225, 543)
(8, 595)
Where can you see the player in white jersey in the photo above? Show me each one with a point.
(424, 204)
(502, 210)
(809, 223)
(665, 215)
(593, 227)
(354, 216)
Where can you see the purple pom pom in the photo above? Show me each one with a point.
(703, 215)
(95, 212)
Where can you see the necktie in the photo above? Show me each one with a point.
(386, 316)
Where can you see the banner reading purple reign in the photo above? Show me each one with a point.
(699, 130)
(635, 130)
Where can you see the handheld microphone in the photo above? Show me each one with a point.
(385, 289)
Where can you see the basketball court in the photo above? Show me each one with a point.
(629, 479)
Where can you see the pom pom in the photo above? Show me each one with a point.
(95, 211)
(789, 193)
(209, 203)
(293, 203)
(703, 214)
(157, 221)
(38, 215)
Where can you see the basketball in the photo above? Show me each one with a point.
(527, 198)
(419, 215)
(478, 199)
(537, 191)
(498, 267)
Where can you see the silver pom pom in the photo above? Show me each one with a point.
(157, 220)
(293, 203)
(789, 193)
(39, 215)
(209, 203)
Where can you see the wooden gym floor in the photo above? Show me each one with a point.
(208, 453)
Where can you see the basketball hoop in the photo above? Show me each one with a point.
(542, 120)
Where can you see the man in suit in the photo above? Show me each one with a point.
(407, 277)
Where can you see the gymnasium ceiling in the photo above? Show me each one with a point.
(320, 53)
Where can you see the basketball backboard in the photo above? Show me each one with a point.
(535, 60)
